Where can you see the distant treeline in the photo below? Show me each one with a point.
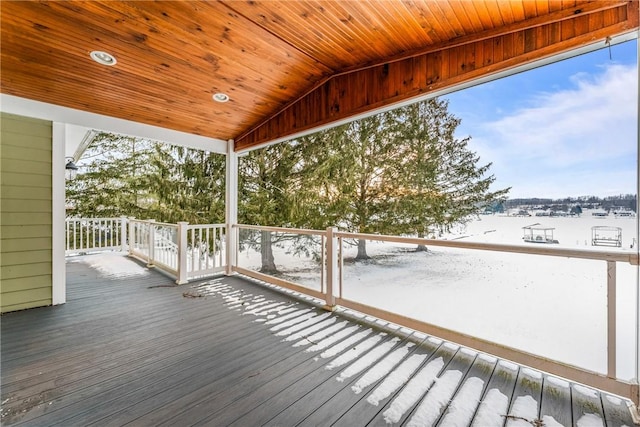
(625, 201)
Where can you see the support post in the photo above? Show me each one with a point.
(58, 187)
(123, 233)
(611, 319)
(332, 268)
(151, 242)
(182, 253)
(323, 287)
(340, 269)
(231, 206)
(132, 235)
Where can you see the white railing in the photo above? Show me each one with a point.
(155, 243)
(185, 251)
(332, 286)
(85, 235)
(205, 249)
(141, 239)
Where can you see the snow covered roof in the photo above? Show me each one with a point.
(537, 226)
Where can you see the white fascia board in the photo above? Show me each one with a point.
(55, 113)
(485, 79)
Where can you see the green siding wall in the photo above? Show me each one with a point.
(25, 212)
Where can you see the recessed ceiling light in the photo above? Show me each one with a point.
(103, 58)
(220, 97)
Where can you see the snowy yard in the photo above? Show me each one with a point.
(550, 306)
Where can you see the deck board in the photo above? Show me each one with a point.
(220, 372)
(361, 410)
(587, 406)
(400, 406)
(330, 395)
(227, 351)
(114, 391)
(231, 391)
(499, 391)
(525, 403)
(88, 355)
(175, 391)
(472, 388)
(556, 401)
(437, 400)
(616, 412)
(371, 380)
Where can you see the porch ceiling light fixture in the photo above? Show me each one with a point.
(70, 169)
(220, 97)
(103, 58)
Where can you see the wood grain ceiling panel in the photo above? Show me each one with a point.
(172, 56)
(356, 92)
(346, 33)
(287, 65)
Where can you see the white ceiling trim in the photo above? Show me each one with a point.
(55, 113)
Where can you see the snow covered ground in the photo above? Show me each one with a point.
(550, 306)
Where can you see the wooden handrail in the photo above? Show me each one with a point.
(619, 256)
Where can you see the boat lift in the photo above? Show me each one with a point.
(536, 233)
(602, 235)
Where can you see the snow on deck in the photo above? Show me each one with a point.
(416, 380)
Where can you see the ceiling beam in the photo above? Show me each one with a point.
(373, 87)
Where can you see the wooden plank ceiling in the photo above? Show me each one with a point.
(287, 66)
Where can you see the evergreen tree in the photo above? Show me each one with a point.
(123, 175)
(440, 182)
(398, 172)
(267, 196)
(188, 185)
(354, 169)
(113, 179)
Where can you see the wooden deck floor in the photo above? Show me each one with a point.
(132, 349)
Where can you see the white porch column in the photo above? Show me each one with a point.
(332, 268)
(151, 242)
(58, 267)
(132, 235)
(231, 205)
(182, 253)
(123, 234)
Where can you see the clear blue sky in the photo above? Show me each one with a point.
(565, 129)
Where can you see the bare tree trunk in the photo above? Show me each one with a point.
(421, 248)
(362, 250)
(266, 251)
